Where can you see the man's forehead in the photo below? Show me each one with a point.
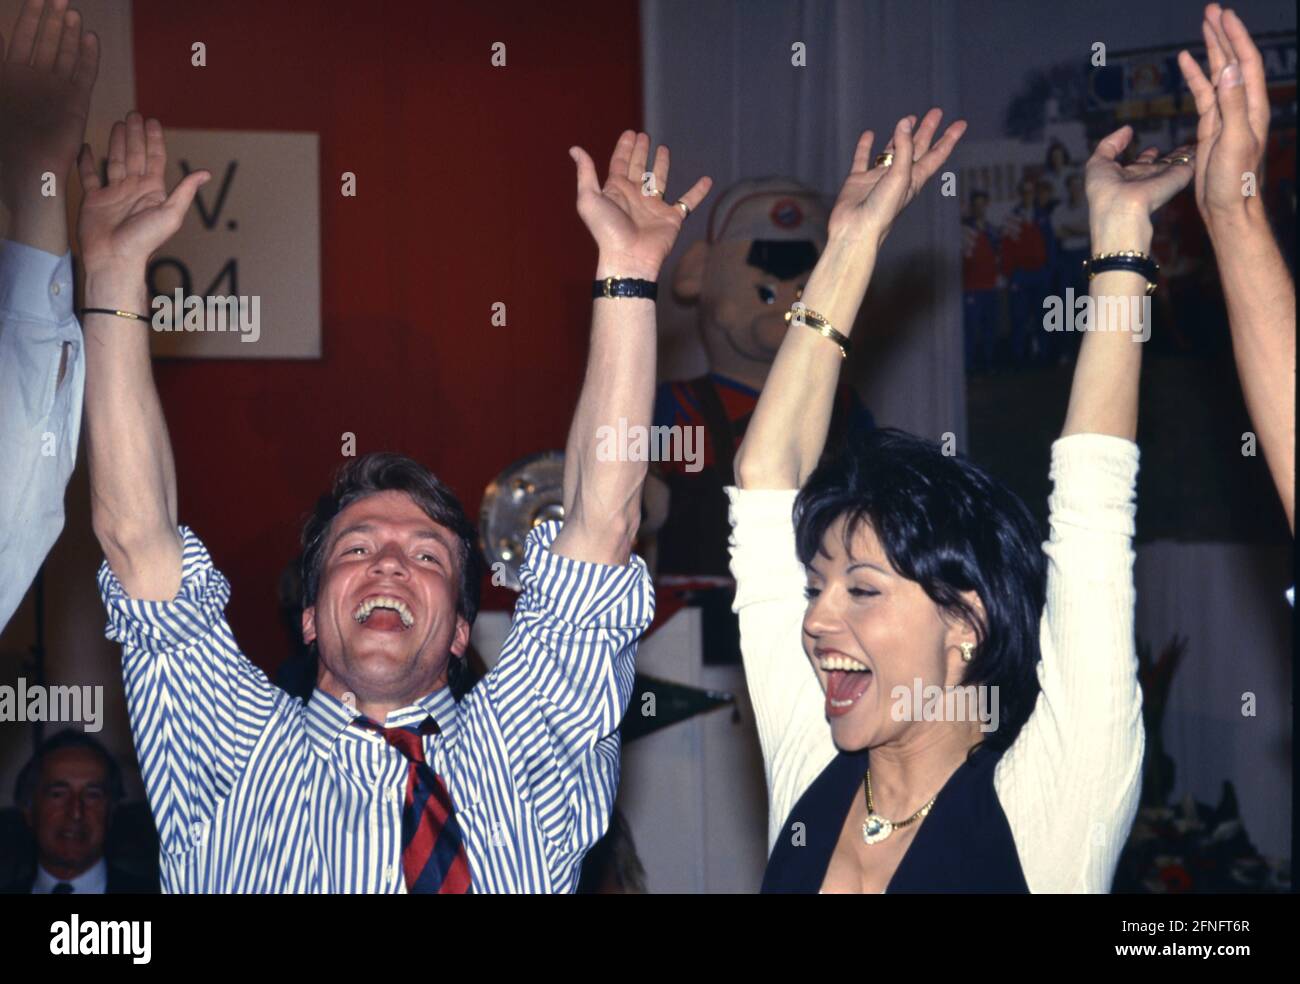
(65, 764)
(388, 512)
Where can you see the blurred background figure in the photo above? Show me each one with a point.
(67, 794)
(980, 281)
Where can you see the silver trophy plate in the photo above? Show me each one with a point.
(526, 494)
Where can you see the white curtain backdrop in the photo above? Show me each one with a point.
(721, 92)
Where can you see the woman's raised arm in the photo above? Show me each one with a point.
(788, 432)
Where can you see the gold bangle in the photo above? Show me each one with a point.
(811, 319)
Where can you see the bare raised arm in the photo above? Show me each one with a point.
(1121, 198)
(132, 474)
(634, 229)
(1231, 137)
(785, 438)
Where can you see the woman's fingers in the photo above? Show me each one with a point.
(117, 153)
(900, 172)
(1111, 146)
(925, 132)
(862, 152)
(640, 153)
(940, 152)
(660, 169)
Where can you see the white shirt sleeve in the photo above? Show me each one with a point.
(40, 417)
(1070, 782)
(789, 706)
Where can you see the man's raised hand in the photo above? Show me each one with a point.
(124, 221)
(630, 218)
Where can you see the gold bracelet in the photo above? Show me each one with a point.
(810, 318)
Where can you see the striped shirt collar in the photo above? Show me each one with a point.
(327, 716)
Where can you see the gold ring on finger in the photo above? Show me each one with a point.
(885, 159)
(686, 209)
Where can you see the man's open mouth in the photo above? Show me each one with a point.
(384, 612)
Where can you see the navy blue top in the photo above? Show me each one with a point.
(963, 845)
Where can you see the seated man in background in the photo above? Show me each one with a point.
(67, 793)
(46, 78)
(382, 782)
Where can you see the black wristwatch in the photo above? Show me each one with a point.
(625, 287)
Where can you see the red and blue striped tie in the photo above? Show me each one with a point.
(433, 851)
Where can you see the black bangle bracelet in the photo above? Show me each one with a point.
(625, 287)
(1130, 260)
(130, 315)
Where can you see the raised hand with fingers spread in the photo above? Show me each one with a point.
(124, 221)
(787, 434)
(875, 192)
(629, 217)
(46, 78)
(1122, 197)
(634, 228)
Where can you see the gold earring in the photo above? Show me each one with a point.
(967, 650)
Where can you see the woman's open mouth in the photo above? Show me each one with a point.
(847, 679)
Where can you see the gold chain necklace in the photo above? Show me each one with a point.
(876, 828)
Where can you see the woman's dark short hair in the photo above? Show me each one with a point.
(384, 471)
(947, 525)
(29, 777)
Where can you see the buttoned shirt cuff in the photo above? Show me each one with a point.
(161, 626)
(34, 283)
(583, 594)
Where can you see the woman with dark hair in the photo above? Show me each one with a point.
(909, 577)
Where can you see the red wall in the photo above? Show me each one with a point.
(465, 197)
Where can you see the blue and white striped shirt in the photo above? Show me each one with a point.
(254, 791)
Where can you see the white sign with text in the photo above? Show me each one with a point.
(241, 279)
